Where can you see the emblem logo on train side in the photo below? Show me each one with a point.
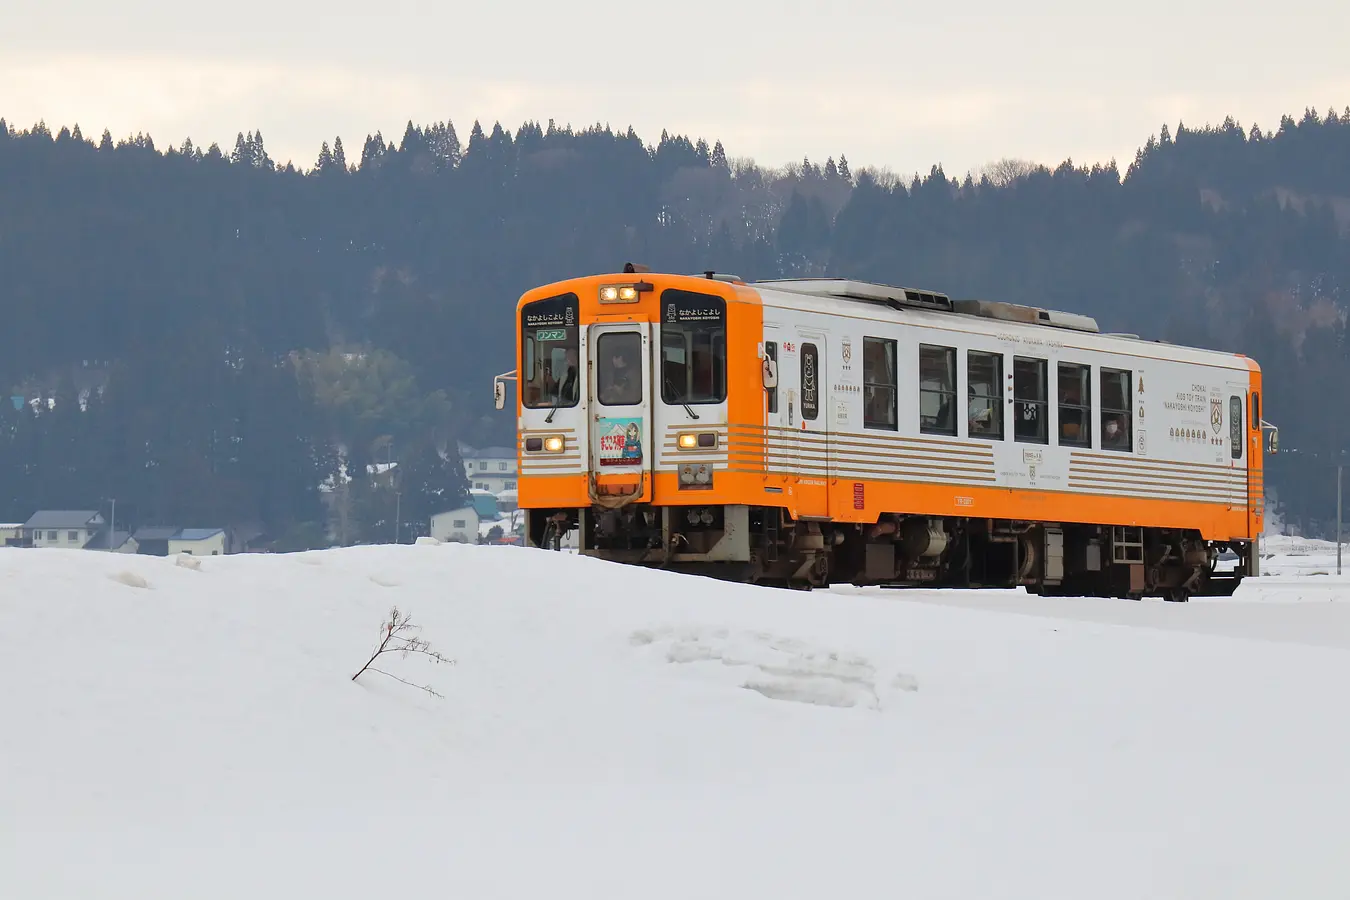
(846, 349)
(1216, 414)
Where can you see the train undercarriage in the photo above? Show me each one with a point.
(762, 545)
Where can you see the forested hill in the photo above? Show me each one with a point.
(221, 321)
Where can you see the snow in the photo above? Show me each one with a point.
(175, 731)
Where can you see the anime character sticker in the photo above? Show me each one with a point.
(620, 442)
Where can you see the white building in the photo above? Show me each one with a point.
(198, 542)
(11, 535)
(459, 525)
(67, 528)
(491, 469)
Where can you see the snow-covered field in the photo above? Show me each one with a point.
(168, 732)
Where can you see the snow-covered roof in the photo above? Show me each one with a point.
(61, 518)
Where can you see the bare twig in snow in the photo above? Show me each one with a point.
(397, 638)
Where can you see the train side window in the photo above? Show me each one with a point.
(880, 381)
(1116, 430)
(810, 382)
(1031, 406)
(937, 389)
(1075, 404)
(1256, 410)
(1236, 431)
(984, 388)
(771, 351)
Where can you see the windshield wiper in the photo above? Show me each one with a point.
(572, 374)
(687, 408)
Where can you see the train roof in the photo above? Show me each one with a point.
(845, 296)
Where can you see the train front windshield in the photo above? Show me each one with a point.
(550, 346)
(693, 348)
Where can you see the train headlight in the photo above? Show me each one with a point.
(553, 443)
(697, 440)
(623, 293)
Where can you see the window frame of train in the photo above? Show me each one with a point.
(549, 314)
(1081, 373)
(1040, 369)
(688, 318)
(885, 351)
(946, 357)
(994, 398)
(1126, 378)
(771, 352)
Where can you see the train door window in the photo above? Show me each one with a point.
(1116, 431)
(1031, 407)
(880, 398)
(771, 352)
(810, 382)
(1236, 432)
(984, 387)
(619, 359)
(1075, 404)
(1256, 410)
(937, 389)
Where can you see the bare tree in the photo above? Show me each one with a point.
(1007, 170)
(396, 639)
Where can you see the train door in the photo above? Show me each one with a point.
(619, 356)
(811, 434)
(1234, 413)
(775, 411)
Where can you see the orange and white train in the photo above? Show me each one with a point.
(809, 431)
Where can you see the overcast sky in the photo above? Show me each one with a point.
(887, 84)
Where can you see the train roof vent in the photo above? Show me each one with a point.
(1031, 315)
(897, 297)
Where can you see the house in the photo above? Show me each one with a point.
(485, 502)
(11, 535)
(490, 469)
(198, 542)
(153, 540)
(118, 542)
(459, 525)
(67, 528)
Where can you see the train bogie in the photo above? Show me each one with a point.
(803, 432)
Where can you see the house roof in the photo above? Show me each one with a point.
(196, 534)
(461, 510)
(100, 540)
(61, 518)
(154, 533)
(488, 453)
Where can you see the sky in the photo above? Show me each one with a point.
(899, 87)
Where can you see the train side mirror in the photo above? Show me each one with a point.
(1272, 440)
(770, 374)
(499, 394)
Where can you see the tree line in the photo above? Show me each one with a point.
(212, 335)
